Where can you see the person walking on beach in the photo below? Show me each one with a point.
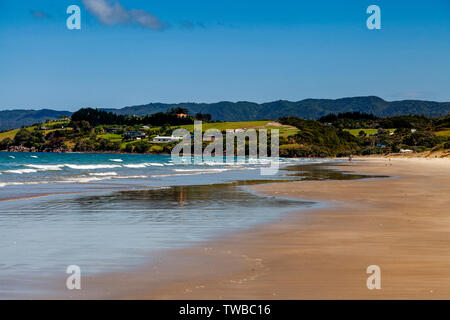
(350, 158)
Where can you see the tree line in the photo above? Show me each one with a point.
(173, 117)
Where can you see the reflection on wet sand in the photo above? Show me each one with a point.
(315, 172)
(117, 230)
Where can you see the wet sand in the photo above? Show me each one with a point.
(401, 224)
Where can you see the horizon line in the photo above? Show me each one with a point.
(220, 101)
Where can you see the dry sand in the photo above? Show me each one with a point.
(401, 224)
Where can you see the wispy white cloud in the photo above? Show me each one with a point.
(40, 14)
(112, 13)
(191, 24)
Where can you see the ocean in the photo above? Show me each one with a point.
(110, 212)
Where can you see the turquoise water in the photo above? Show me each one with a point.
(108, 212)
(28, 174)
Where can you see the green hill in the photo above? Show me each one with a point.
(306, 109)
(13, 119)
(250, 111)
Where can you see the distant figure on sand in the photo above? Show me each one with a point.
(350, 158)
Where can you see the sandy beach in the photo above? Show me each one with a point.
(401, 224)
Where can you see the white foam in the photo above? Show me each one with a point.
(116, 160)
(102, 174)
(22, 183)
(99, 176)
(135, 166)
(12, 157)
(86, 179)
(200, 170)
(174, 175)
(92, 166)
(21, 171)
(143, 165)
(34, 157)
(42, 167)
(131, 177)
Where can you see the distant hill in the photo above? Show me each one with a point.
(250, 111)
(12, 119)
(306, 109)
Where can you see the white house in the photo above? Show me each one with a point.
(162, 139)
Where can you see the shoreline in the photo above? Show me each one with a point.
(439, 154)
(319, 253)
(49, 283)
(399, 224)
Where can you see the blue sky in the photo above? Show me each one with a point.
(132, 52)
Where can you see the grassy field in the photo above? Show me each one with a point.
(369, 132)
(355, 132)
(123, 144)
(111, 137)
(8, 134)
(12, 133)
(290, 146)
(227, 125)
(445, 133)
(285, 132)
(222, 126)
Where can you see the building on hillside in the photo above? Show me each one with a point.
(162, 139)
(406, 151)
(182, 115)
(111, 129)
(134, 135)
(236, 130)
(209, 138)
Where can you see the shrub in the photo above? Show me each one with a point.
(22, 138)
(5, 143)
(85, 145)
(141, 147)
(156, 149)
(129, 148)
